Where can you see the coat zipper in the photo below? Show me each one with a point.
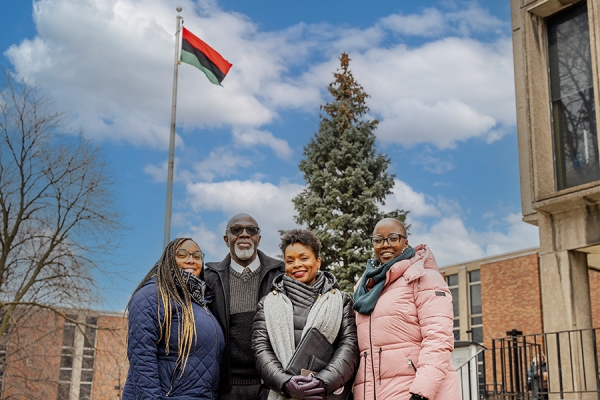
(379, 371)
(411, 364)
(171, 380)
(216, 334)
(372, 366)
(365, 378)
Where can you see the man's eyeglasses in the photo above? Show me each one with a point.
(237, 230)
(183, 254)
(392, 239)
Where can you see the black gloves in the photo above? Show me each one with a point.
(304, 388)
(417, 397)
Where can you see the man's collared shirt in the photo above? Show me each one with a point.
(254, 265)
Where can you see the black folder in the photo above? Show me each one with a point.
(313, 352)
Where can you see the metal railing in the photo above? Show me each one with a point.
(542, 366)
(471, 376)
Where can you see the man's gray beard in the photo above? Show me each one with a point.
(244, 254)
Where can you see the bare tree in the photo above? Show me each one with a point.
(57, 213)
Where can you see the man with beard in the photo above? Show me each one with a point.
(239, 282)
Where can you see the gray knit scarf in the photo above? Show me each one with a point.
(325, 315)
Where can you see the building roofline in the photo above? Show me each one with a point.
(496, 258)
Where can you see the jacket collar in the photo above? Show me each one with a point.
(266, 263)
(413, 268)
(330, 282)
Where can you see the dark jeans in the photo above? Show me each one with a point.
(245, 392)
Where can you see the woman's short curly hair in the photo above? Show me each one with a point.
(304, 237)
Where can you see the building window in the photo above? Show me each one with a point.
(87, 364)
(452, 281)
(3, 349)
(66, 359)
(572, 95)
(475, 306)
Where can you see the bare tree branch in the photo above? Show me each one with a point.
(57, 212)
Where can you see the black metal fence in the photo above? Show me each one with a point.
(554, 365)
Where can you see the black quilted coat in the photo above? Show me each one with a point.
(152, 373)
(342, 367)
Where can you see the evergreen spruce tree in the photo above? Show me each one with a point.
(346, 181)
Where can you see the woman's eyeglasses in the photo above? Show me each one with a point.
(250, 230)
(183, 254)
(392, 239)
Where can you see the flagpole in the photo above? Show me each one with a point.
(167, 237)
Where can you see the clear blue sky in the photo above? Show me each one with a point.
(439, 73)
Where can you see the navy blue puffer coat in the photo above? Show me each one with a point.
(152, 374)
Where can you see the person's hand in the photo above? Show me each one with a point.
(304, 388)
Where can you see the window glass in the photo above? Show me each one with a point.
(69, 335)
(475, 299)
(87, 376)
(87, 362)
(572, 96)
(2, 365)
(64, 391)
(85, 391)
(65, 375)
(455, 308)
(452, 280)
(475, 309)
(474, 276)
(477, 334)
(66, 361)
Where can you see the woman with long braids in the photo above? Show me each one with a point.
(404, 321)
(174, 343)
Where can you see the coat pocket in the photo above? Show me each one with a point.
(394, 361)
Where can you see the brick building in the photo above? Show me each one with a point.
(49, 357)
(496, 294)
(501, 294)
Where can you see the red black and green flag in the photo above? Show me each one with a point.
(197, 53)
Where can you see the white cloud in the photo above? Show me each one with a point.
(452, 242)
(445, 91)
(429, 23)
(159, 173)
(405, 198)
(111, 63)
(211, 243)
(439, 224)
(449, 240)
(220, 162)
(269, 204)
(251, 137)
(433, 22)
(431, 163)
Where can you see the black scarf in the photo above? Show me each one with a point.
(196, 287)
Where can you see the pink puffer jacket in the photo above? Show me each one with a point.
(406, 343)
